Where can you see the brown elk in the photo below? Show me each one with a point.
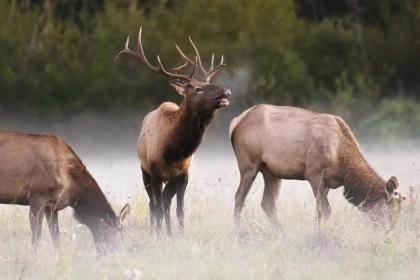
(171, 133)
(42, 171)
(294, 143)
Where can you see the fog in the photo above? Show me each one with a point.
(107, 145)
(209, 248)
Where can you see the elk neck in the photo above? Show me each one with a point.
(91, 206)
(187, 131)
(362, 185)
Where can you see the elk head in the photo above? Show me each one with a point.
(389, 210)
(199, 92)
(394, 199)
(108, 234)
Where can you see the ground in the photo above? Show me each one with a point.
(347, 247)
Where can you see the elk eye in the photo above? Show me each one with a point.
(198, 89)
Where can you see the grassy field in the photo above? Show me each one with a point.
(347, 247)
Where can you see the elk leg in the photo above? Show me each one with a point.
(154, 190)
(36, 215)
(181, 185)
(247, 178)
(156, 200)
(168, 194)
(323, 209)
(52, 219)
(151, 207)
(271, 193)
(147, 180)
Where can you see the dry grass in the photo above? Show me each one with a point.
(348, 247)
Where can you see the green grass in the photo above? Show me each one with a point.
(347, 247)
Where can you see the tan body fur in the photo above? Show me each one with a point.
(292, 143)
(42, 171)
(153, 140)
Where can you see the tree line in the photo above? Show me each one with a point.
(357, 58)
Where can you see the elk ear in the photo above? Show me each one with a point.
(391, 185)
(125, 211)
(178, 86)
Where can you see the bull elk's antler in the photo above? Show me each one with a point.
(208, 74)
(142, 57)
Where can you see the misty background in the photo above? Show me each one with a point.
(358, 59)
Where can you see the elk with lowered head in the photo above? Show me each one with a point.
(171, 133)
(43, 172)
(292, 143)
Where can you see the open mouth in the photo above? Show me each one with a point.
(223, 102)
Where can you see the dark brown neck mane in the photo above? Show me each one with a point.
(363, 187)
(187, 132)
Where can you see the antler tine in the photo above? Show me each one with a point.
(125, 50)
(187, 60)
(207, 74)
(176, 69)
(194, 67)
(215, 70)
(142, 57)
(137, 55)
(197, 54)
(171, 75)
(212, 62)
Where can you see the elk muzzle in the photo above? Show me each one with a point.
(222, 99)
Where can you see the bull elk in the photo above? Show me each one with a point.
(43, 171)
(294, 143)
(170, 134)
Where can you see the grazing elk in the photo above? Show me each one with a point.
(294, 143)
(171, 133)
(42, 171)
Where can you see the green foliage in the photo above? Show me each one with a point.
(60, 61)
(397, 118)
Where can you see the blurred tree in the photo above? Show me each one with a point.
(56, 55)
(321, 9)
